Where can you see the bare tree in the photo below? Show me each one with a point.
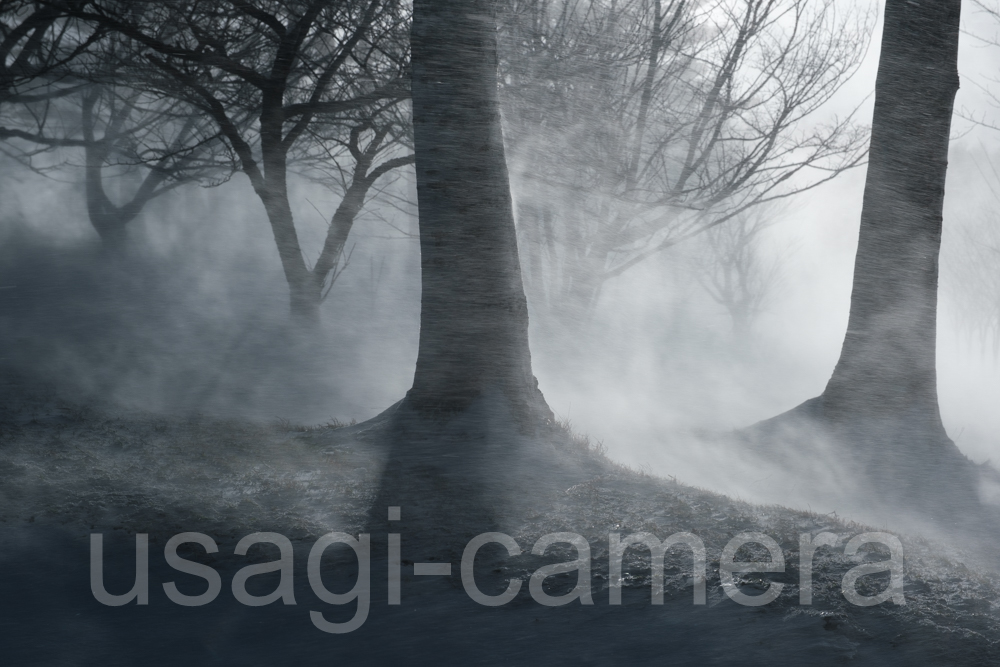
(972, 265)
(983, 30)
(448, 459)
(638, 124)
(356, 162)
(732, 268)
(124, 133)
(278, 78)
(67, 98)
(975, 263)
(975, 273)
(125, 136)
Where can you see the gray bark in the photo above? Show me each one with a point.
(880, 405)
(474, 317)
(887, 364)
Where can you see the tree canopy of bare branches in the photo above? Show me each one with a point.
(66, 96)
(638, 124)
(282, 82)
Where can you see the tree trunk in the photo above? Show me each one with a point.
(109, 221)
(880, 406)
(887, 364)
(305, 292)
(474, 316)
(340, 228)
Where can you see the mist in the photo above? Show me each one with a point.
(621, 307)
(193, 317)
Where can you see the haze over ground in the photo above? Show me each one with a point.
(195, 321)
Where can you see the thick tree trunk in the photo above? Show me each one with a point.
(880, 406)
(474, 317)
(887, 364)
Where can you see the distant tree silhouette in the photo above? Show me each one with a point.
(633, 125)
